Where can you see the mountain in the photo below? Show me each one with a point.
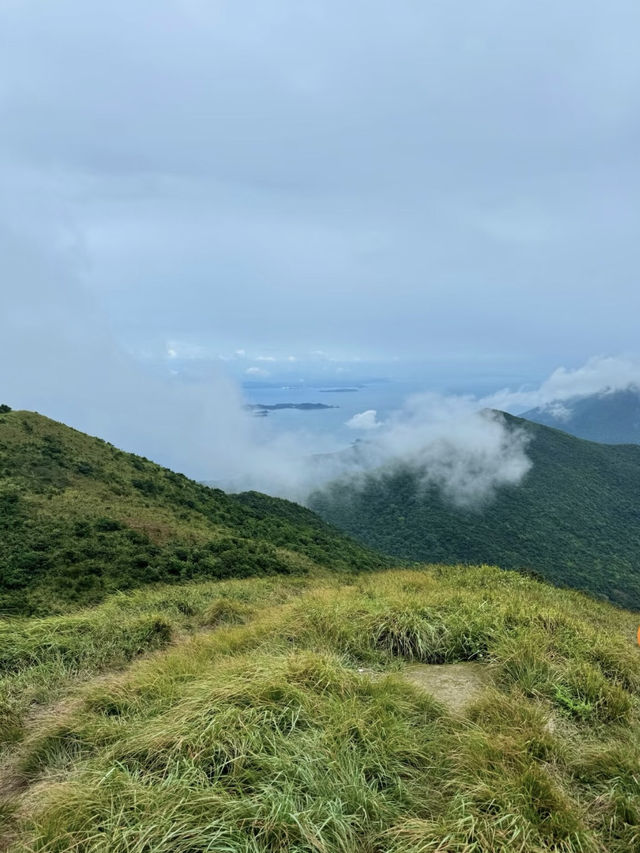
(80, 519)
(444, 708)
(574, 519)
(452, 709)
(611, 417)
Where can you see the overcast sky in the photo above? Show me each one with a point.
(434, 181)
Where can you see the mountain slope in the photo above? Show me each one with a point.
(611, 417)
(80, 518)
(575, 518)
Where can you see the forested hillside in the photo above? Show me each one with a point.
(80, 519)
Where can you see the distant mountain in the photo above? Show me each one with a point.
(575, 518)
(80, 519)
(612, 417)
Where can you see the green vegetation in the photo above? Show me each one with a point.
(274, 715)
(575, 519)
(40, 658)
(80, 519)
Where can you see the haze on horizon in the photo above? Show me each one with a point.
(197, 195)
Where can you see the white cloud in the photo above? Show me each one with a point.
(364, 420)
(466, 453)
(186, 350)
(600, 374)
(256, 371)
(560, 411)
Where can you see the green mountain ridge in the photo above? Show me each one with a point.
(575, 518)
(80, 519)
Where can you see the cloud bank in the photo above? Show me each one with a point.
(599, 375)
(465, 452)
(438, 181)
(62, 359)
(66, 364)
(462, 445)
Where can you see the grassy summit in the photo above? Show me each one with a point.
(284, 714)
(80, 519)
(575, 518)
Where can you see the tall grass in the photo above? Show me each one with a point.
(40, 658)
(285, 724)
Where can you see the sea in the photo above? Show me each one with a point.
(328, 427)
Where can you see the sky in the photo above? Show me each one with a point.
(197, 194)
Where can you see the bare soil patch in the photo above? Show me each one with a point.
(456, 685)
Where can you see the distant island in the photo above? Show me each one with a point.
(261, 410)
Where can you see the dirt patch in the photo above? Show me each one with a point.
(456, 685)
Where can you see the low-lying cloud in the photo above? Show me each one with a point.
(466, 452)
(61, 359)
(599, 375)
(364, 420)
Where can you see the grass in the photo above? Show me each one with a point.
(41, 658)
(273, 715)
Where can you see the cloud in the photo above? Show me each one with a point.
(70, 367)
(256, 371)
(66, 364)
(468, 454)
(364, 420)
(322, 174)
(461, 445)
(599, 375)
(296, 177)
(560, 411)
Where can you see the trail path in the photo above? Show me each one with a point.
(456, 685)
